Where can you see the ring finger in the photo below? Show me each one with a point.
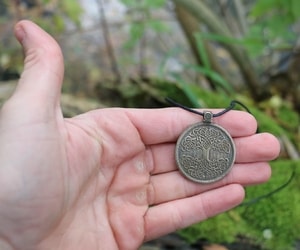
(172, 186)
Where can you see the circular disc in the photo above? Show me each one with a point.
(205, 152)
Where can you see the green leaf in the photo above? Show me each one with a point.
(214, 76)
(221, 39)
(171, 53)
(261, 7)
(295, 9)
(136, 33)
(154, 4)
(73, 10)
(158, 26)
(193, 98)
(45, 1)
(202, 51)
(59, 23)
(129, 3)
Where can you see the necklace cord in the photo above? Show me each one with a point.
(230, 107)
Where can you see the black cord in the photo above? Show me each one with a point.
(276, 190)
(230, 107)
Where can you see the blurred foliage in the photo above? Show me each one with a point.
(273, 24)
(144, 93)
(141, 19)
(206, 70)
(53, 16)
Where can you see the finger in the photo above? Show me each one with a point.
(171, 216)
(43, 70)
(258, 147)
(254, 148)
(165, 125)
(173, 185)
(163, 158)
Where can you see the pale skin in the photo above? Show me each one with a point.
(106, 179)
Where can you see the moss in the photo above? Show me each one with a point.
(221, 228)
(272, 222)
(278, 213)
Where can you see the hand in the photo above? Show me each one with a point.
(105, 179)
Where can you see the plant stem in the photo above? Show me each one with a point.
(109, 46)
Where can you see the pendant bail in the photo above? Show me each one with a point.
(207, 116)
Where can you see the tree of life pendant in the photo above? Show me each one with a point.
(205, 152)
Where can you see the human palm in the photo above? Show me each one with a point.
(105, 179)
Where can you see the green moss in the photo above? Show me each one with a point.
(222, 228)
(272, 222)
(279, 213)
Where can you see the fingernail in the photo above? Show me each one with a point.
(20, 33)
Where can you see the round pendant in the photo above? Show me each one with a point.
(205, 152)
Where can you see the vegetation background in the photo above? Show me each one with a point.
(201, 53)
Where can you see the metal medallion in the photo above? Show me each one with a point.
(205, 152)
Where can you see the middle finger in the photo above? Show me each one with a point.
(254, 148)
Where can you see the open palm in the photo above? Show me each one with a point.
(105, 179)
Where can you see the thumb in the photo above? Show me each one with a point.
(42, 76)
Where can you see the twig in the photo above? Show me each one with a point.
(16, 4)
(240, 11)
(110, 49)
(290, 148)
(142, 49)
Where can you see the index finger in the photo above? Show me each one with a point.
(165, 125)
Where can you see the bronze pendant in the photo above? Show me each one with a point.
(205, 152)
